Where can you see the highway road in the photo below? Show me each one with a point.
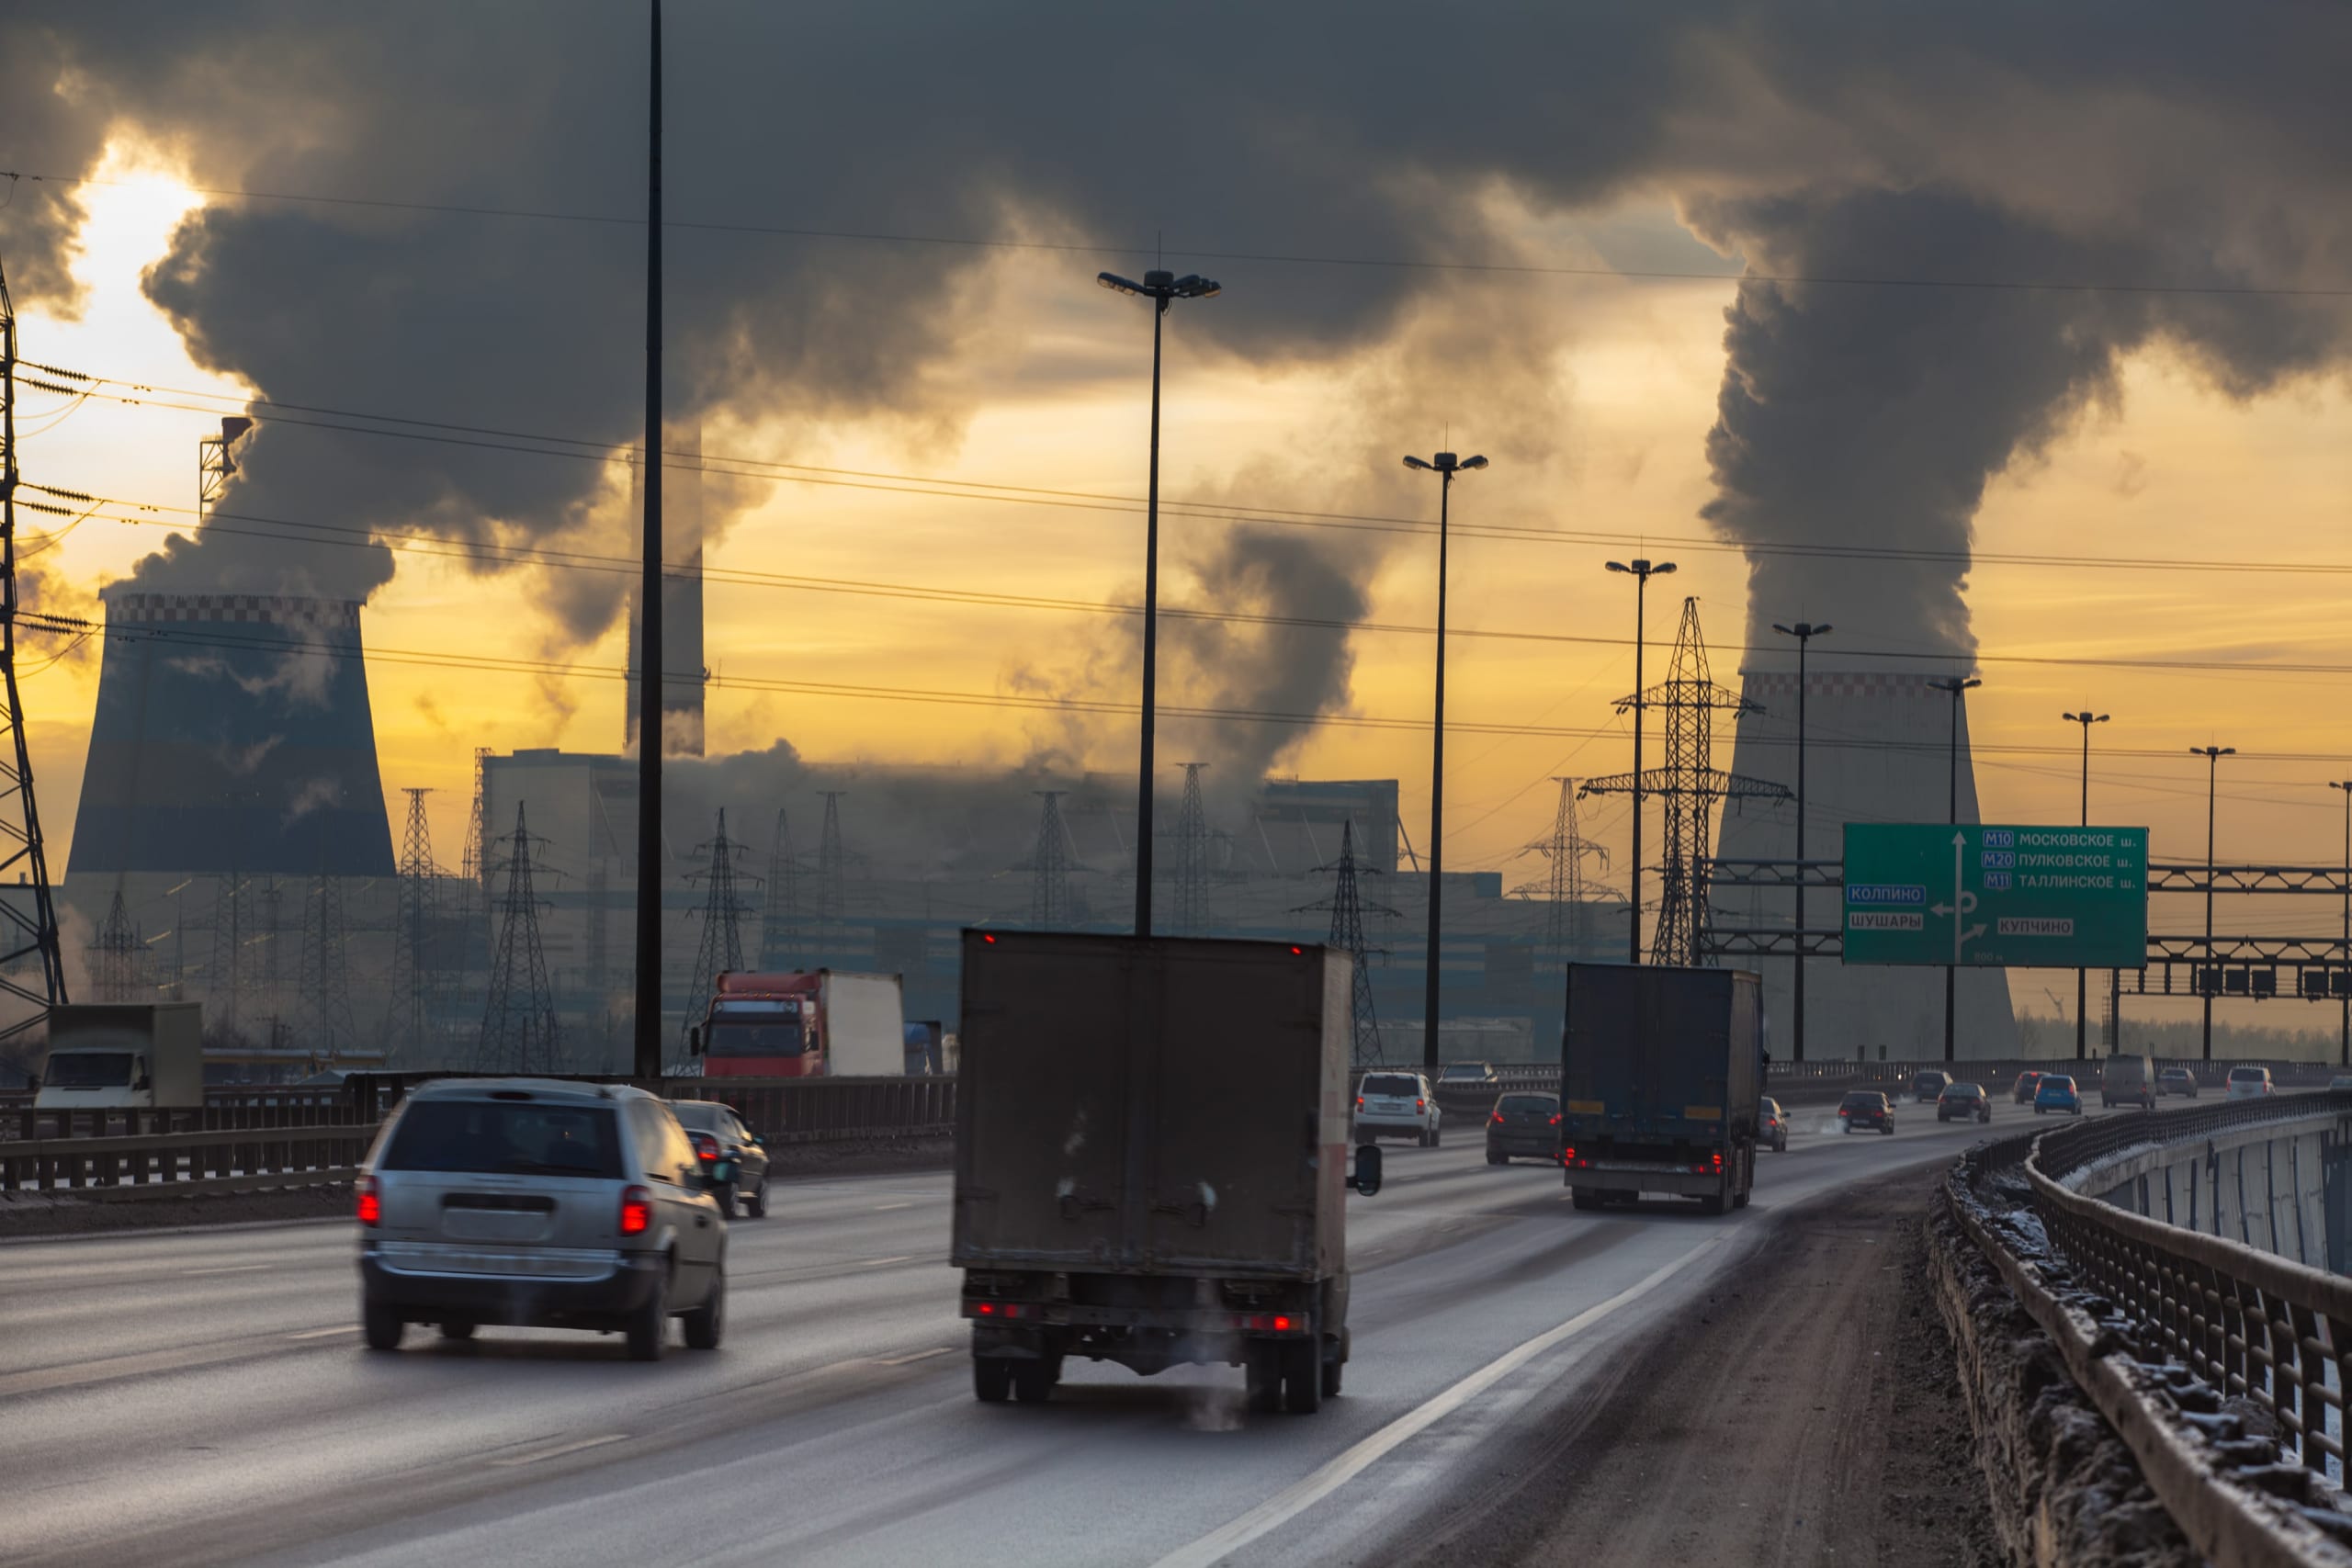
(201, 1396)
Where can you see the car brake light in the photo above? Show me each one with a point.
(1420, 1105)
(1499, 1117)
(637, 1211)
(371, 1207)
(1359, 1103)
(706, 1146)
(1555, 1119)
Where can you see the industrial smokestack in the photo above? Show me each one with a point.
(1878, 749)
(683, 671)
(232, 735)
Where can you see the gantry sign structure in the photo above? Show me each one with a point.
(1973, 894)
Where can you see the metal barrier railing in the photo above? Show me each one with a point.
(2252, 1324)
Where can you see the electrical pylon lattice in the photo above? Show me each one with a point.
(1689, 785)
(327, 978)
(227, 976)
(780, 908)
(118, 959)
(1568, 915)
(721, 949)
(831, 877)
(1192, 857)
(27, 923)
(1347, 906)
(519, 1033)
(1049, 866)
(409, 1020)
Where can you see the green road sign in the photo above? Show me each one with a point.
(2019, 898)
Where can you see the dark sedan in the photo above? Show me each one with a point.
(720, 1137)
(1771, 1126)
(1866, 1109)
(1964, 1100)
(1525, 1126)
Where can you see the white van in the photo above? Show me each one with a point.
(2126, 1080)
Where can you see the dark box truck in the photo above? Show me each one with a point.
(1151, 1160)
(1660, 1071)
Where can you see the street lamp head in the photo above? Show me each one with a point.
(1802, 631)
(1117, 285)
(1192, 286)
(1971, 683)
(1469, 463)
(1613, 565)
(1415, 463)
(1662, 569)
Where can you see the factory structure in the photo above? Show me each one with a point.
(233, 846)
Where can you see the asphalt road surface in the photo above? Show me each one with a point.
(201, 1396)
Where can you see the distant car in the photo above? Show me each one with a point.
(1926, 1087)
(2250, 1083)
(2022, 1090)
(1866, 1108)
(2177, 1080)
(540, 1203)
(720, 1139)
(1965, 1099)
(1771, 1126)
(1524, 1126)
(2125, 1079)
(1396, 1105)
(2056, 1093)
(1467, 1074)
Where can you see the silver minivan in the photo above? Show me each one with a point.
(539, 1203)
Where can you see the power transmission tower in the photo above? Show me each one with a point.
(409, 1020)
(519, 1034)
(327, 978)
(27, 921)
(1688, 786)
(780, 910)
(1191, 856)
(1347, 906)
(115, 957)
(227, 976)
(831, 896)
(721, 950)
(1049, 865)
(1566, 917)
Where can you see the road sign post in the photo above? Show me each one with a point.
(1985, 896)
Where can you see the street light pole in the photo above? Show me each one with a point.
(1640, 571)
(1804, 632)
(645, 1028)
(1445, 464)
(2082, 977)
(1955, 685)
(1160, 288)
(2209, 971)
(2346, 785)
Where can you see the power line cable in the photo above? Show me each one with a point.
(1280, 258)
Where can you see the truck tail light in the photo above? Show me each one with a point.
(1556, 1119)
(637, 1211)
(1719, 1159)
(372, 1205)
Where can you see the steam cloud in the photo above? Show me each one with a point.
(2105, 142)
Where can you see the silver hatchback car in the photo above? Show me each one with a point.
(540, 1203)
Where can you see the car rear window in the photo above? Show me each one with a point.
(1390, 1084)
(1966, 1091)
(702, 1115)
(491, 1136)
(1861, 1101)
(2052, 1081)
(1543, 1103)
(2245, 1074)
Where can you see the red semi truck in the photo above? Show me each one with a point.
(803, 1024)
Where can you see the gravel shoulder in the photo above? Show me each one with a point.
(1805, 1411)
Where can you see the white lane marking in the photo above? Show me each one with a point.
(917, 1356)
(576, 1446)
(1288, 1504)
(239, 1269)
(886, 1208)
(878, 1262)
(325, 1333)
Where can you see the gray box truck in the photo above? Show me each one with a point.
(123, 1056)
(1151, 1160)
(1661, 1072)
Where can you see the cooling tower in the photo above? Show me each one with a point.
(1877, 750)
(682, 665)
(232, 735)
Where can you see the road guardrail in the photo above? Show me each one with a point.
(2165, 1327)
